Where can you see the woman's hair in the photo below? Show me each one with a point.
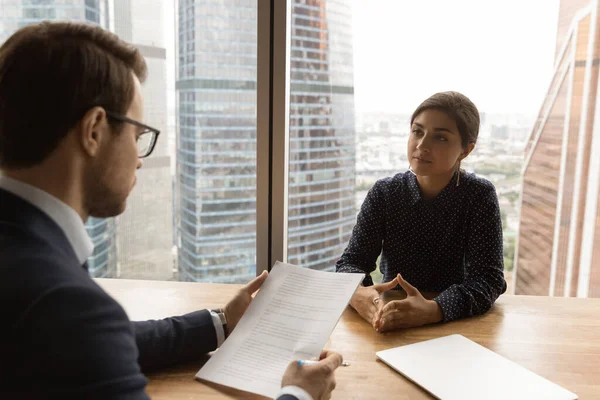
(458, 107)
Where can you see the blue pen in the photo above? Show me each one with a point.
(313, 362)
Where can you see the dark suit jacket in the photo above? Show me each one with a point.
(61, 335)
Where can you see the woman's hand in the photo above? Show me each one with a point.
(413, 311)
(367, 301)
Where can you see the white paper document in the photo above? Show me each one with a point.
(291, 317)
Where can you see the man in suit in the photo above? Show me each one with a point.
(70, 143)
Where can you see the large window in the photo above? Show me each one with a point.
(355, 72)
(358, 70)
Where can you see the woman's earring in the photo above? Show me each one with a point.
(458, 173)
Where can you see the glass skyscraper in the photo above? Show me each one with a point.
(322, 133)
(103, 262)
(216, 142)
(559, 234)
(15, 14)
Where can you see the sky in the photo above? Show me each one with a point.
(499, 53)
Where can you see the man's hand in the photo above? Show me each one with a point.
(367, 302)
(318, 380)
(413, 311)
(240, 302)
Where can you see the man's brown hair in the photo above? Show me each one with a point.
(51, 74)
(459, 108)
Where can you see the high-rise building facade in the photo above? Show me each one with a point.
(567, 10)
(15, 14)
(103, 261)
(558, 250)
(216, 142)
(322, 133)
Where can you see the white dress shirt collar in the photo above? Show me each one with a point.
(63, 215)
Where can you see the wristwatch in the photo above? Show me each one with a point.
(221, 313)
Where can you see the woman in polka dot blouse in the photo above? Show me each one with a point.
(435, 226)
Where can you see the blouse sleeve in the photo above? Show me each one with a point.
(484, 262)
(367, 237)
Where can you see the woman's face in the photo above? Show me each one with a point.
(434, 144)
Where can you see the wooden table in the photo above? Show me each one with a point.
(557, 338)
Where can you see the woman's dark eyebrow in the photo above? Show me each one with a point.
(435, 129)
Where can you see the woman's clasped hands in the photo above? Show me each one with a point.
(413, 311)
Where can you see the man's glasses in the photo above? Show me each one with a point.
(146, 140)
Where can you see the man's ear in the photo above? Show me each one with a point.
(92, 130)
(466, 151)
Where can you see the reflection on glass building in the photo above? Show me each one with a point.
(216, 143)
(15, 14)
(559, 235)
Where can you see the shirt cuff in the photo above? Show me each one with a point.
(218, 328)
(296, 391)
(448, 306)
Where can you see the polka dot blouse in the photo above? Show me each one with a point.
(451, 244)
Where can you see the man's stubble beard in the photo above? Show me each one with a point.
(100, 200)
